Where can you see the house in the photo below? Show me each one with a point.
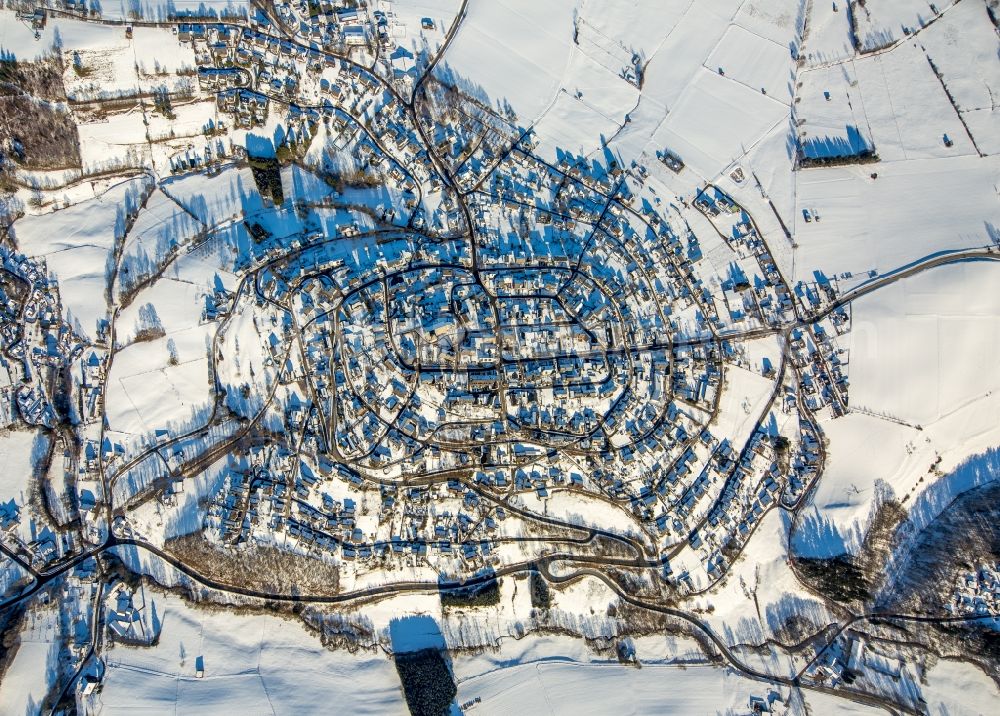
(354, 35)
(856, 655)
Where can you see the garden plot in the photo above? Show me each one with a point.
(158, 53)
(76, 243)
(34, 663)
(984, 124)
(879, 24)
(116, 141)
(963, 46)
(409, 16)
(891, 103)
(100, 65)
(830, 105)
(592, 108)
(912, 210)
(908, 111)
(685, 48)
(716, 121)
(760, 64)
(924, 388)
(528, 75)
(246, 662)
(617, 26)
(569, 687)
(148, 387)
(939, 330)
(160, 227)
(169, 9)
(777, 20)
(828, 38)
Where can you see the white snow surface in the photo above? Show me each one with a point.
(924, 385)
(252, 664)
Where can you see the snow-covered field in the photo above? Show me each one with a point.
(252, 664)
(265, 664)
(571, 688)
(258, 663)
(910, 211)
(923, 378)
(18, 452)
(939, 330)
(76, 243)
(164, 9)
(35, 665)
(884, 23)
(959, 689)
